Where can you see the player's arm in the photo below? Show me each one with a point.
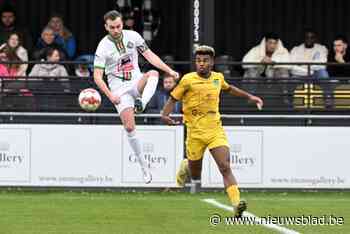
(234, 91)
(98, 78)
(153, 59)
(167, 109)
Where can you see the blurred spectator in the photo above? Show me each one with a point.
(10, 71)
(310, 52)
(82, 70)
(129, 23)
(161, 97)
(270, 50)
(151, 21)
(9, 25)
(54, 70)
(339, 54)
(8, 55)
(63, 34)
(141, 17)
(47, 40)
(14, 43)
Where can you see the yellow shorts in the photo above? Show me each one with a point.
(197, 141)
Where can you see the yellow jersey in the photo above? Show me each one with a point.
(200, 98)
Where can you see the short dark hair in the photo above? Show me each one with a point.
(310, 30)
(341, 38)
(7, 7)
(271, 35)
(50, 50)
(112, 15)
(56, 15)
(205, 50)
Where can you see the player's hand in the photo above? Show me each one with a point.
(339, 58)
(169, 121)
(115, 99)
(174, 74)
(258, 101)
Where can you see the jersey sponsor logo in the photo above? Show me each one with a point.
(196, 112)
(216, 82)
(125, 64)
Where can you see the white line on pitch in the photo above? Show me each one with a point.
(248, 214)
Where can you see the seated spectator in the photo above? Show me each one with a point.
(150, 18)
(310, 52)
(270, 50)
(53, 70)
(161, 97)
(339, 54)
(84, 70)
(63, 34)
(47, 40)
(8, 55)
(47, 70)
(10, 71)
(8, 25)
(14, 43)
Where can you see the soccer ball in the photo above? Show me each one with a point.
(89, 99)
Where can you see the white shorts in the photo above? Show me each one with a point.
(126, 90)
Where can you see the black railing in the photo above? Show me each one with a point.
(293, 95)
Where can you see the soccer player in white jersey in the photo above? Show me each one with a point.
(129, 90)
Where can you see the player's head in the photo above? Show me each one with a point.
(113, 23)
(271, 41)
(204, 58)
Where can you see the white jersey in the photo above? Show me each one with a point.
(119, 58)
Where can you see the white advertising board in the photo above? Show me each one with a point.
(86, 156)
(285, 157)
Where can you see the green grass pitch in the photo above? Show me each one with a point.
(159, 212)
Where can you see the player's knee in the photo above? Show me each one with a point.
(129, 128)
(225, 169)
(153, 73)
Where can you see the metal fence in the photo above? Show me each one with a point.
(293, 95)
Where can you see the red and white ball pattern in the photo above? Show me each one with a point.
(89, 99)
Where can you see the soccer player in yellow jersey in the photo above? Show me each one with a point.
(200, 95)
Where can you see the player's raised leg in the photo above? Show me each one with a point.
(146, 86)
(221, 156)
(128, 120)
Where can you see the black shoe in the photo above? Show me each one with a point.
(239, 209)
(138, 106)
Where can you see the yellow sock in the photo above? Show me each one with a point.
(233, 194)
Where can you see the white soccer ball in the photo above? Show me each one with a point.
(89, 99)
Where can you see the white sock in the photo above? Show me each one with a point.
(149, 89)
(136, 147)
